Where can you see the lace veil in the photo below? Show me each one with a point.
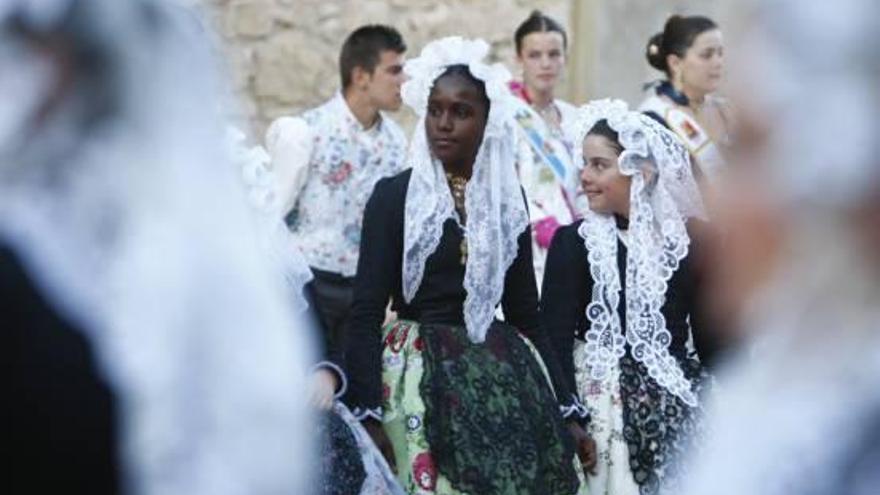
(663, 196)
(494, 201)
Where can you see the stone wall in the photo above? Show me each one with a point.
(283, 53)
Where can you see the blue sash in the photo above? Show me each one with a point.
(553, 152)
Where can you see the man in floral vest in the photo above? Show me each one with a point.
(326, 162)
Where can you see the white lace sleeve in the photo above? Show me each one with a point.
(289, 141)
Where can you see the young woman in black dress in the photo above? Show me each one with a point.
(460, 399)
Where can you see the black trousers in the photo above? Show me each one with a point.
(332, 296)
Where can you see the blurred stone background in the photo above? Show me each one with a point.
(282, 54)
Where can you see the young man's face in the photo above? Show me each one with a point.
(384, 83)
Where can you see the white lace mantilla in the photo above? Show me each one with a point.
(496, 211)
(663, 195)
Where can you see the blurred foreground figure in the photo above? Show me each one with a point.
(345, 460)
(800, 412)
(150, 347)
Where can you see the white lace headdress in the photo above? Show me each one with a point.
(663, 195)
(496, 211)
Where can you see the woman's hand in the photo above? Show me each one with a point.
(383, 443)
(323, 389)
(585, 445)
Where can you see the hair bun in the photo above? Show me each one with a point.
(654, 52)
(675, 18)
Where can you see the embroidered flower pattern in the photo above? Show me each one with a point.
(338, 174)
(413, 422)
(345, 165)
(424, 471)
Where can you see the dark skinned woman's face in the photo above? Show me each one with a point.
(456, 119)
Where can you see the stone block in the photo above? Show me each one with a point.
(250, 18)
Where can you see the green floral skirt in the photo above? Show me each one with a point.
(478, 419)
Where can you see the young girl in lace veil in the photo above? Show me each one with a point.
(621, 296)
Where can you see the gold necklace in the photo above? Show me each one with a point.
(458, 186)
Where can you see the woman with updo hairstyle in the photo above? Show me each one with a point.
(690, 53)
(544, 155)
